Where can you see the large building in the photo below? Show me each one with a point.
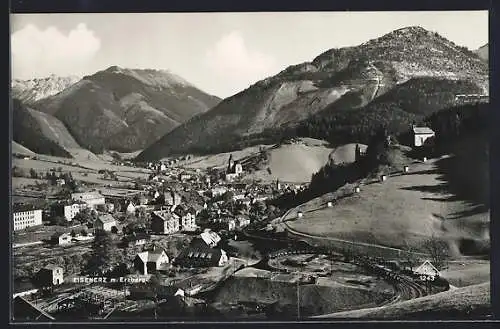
(164, 222)
(25, 216)
(92, 199)
(68, 211)
(199, 253)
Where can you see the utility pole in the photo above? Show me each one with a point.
(298, 300)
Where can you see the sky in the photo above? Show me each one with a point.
(220, 53)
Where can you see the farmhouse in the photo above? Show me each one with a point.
(148, 262)
(105, 222)
(26, 216)
(50, 275)
(427, 269)
(92, 199)
(421, 134)
(164, 222)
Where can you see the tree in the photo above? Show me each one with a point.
(114, 230)
(83, 232)
(437, 250)
(18, 172)
(155, 284)
(84, 216)
(33, 173)
(258, 210)
(103, 254)
(73, 233)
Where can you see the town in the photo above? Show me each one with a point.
(282, 173)
(174, 225)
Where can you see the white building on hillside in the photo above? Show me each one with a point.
(421, 134)
(427, 269)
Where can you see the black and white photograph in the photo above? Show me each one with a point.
(250, 166)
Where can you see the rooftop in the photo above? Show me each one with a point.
(423, 130)
(106, 218)
(150, 256)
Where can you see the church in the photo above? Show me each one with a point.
(234, 169)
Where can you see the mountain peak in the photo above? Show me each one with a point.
(412, 29)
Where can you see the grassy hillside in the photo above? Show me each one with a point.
(403, 210)
(471, 302)
(28, 131)
(294, 161)
(54, 129)
(17, 148)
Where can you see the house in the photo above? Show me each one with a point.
(164, 222)
(60, 182)
(187, 218)
(218, 191)
(196, 208)
(200, 254)
(130, 208)
(135, 239)
(427, 269)
(211, 238)
(231, 225)
(184, 177)
(148, 262)
(172, 198)
(105, 222)
(68, 211)
(50, 275)
(421, 134)
(26, 216)
(61, 239)
(92, 199)
(243, 221)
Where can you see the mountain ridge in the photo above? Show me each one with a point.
(352, 77)
(125, 109)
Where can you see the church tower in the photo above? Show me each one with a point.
(230, 164)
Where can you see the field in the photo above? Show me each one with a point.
(404, 210)
(467, 272)
(471, 302)
(85, 170)
(294, 162)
